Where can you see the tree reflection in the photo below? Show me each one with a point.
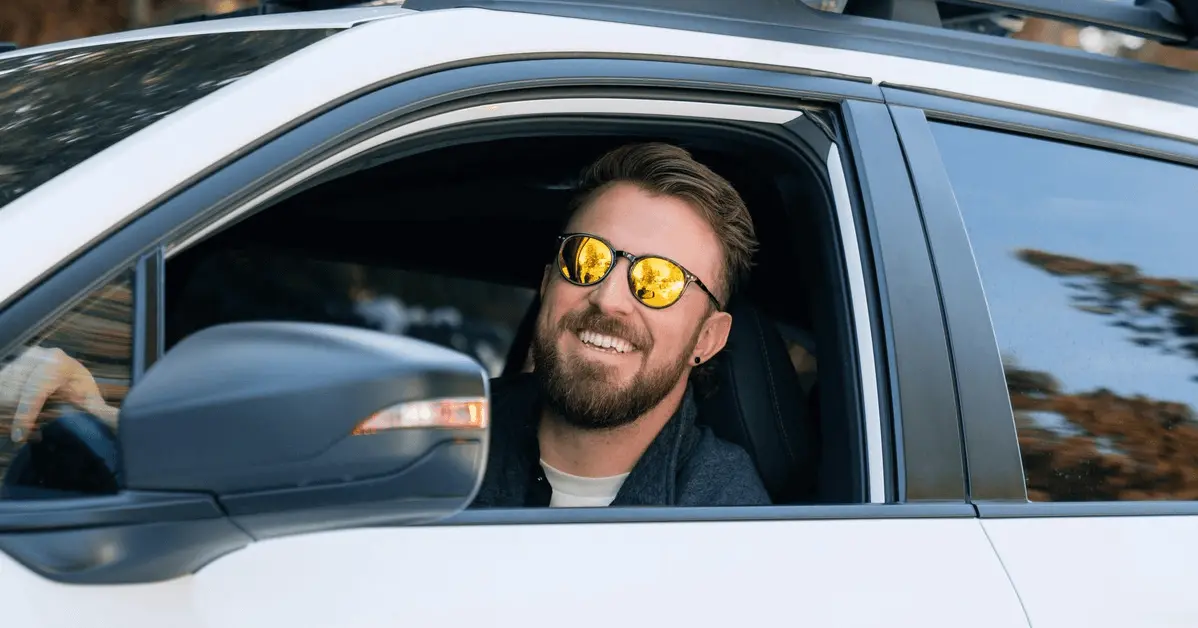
(59, 108)
(1112, 447)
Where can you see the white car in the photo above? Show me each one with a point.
(964, 365)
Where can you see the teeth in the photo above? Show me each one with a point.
(605, 342)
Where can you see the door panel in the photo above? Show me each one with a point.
(1102, 570)
(882, 572)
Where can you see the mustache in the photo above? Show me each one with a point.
(595, 320)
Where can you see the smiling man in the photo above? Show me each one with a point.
(655, 244)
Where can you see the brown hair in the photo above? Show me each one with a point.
(669, 170)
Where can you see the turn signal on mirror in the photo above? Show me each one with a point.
(468, 413)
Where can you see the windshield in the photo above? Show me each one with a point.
(59, 108)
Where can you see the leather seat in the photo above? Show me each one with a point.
(754, 399)
(757, 401)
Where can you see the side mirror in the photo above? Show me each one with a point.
(249, 431)
(298, 427)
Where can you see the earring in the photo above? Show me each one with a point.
(696, 359)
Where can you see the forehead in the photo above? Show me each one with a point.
(636, 221)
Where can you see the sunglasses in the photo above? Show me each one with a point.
(657, 282)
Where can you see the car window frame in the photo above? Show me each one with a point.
(910, 341)
(997, 483)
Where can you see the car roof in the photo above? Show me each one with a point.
(798, 23)
(757, 19)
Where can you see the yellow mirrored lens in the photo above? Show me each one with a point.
(657, 282)
(585, 260)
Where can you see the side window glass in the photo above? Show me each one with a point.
(1087, 260)
(474, 317)
(81, 361)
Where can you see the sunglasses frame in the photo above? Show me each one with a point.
(632, 260)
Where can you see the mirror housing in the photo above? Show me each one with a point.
(298, 427)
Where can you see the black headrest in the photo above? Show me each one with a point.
(757, 401)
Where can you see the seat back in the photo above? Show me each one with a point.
(755, 400)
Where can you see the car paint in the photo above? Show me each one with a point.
(1101, 570)
(926, 573)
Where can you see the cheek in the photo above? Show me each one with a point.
(556, 302)
(560, 297)
(672, 337)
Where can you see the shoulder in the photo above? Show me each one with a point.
(719, 473)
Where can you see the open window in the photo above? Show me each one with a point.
(442, 232)
(444, 237)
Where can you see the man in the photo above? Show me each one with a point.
(655, 245)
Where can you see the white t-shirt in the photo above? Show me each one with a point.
(574, 491)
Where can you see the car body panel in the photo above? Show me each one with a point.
(928, 573)
(1101, 570)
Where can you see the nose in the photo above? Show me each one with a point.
(612, 295)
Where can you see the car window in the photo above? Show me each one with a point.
(1087, 261)
(59, 108)
(43, 380)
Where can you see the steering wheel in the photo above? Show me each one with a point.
(77, 454)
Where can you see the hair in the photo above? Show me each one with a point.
(664, 169)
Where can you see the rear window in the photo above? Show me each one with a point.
(59, 108)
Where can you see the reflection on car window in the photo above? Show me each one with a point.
(1087, 260)
(474, 317)
(59, 108)
(81, 363)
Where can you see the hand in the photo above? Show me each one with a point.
(42, 375)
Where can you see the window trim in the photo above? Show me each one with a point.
(1048, 125)
(924, 416)
(992, 455)
(869, 128)
(998, 486)
(1043, 510)
(536, 516)
(148, 308)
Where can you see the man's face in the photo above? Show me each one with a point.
(587, 380)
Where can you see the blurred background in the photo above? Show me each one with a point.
(33, 22)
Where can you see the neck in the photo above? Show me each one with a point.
(603, 453)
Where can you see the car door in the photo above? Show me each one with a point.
(1068, 283)
(910, 553)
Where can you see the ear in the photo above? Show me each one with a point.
(712, 337)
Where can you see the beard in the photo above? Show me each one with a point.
(586, 394)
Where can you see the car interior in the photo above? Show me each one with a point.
(486, 203)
